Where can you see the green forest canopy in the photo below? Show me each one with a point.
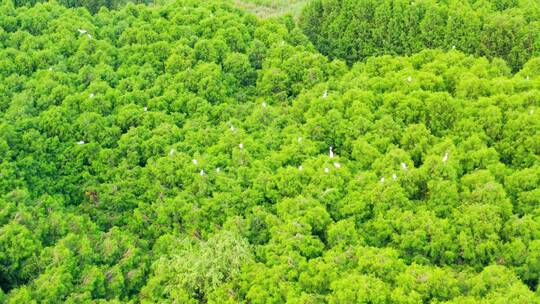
(357, 29)
(191, 153)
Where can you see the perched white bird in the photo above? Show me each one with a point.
(527, 78)
(80, 142)
(264, 104)
(145, 109)
(91, 95)
(83, 31)
(445, 157)
(331, 153)
(171, 153)
(453, 47)
(299, 139)
(300, 168)
(89, 36)
(409, 78)
(241, 146)
(326, 170)
(394, 176)
(404, 166)
(50, 69)
(232, 128)
(325, 94)
(382, 180)
(202, 172)
(282, 42)
(195, 162)
(337, 165)
(531, 112)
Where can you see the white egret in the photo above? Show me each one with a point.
(241, 146)
(202, 172)
(325, 94)
(80, 142)
(91, 95)
(404, 166)
(171, 153)
(232, 128)
(331, 153)
(382, 180)
(394, 176)
(83, 31)
(264, 104)
(299, 139)
(195, 162)
(326, 170)
(145, 109)
(531, 112)
(50, 69)
(409, 78)
(445, 157)
(337, 165)
(300, 168)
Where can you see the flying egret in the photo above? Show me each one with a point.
(337, 165)
(331, 153)
(195, 162)
(445, 157)
(404, 166)
(326, 170)
(409, 78)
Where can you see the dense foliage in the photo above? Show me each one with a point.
(92, 5)
(192, 153)
(357, 29)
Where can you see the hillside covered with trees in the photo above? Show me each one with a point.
(190, 152)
